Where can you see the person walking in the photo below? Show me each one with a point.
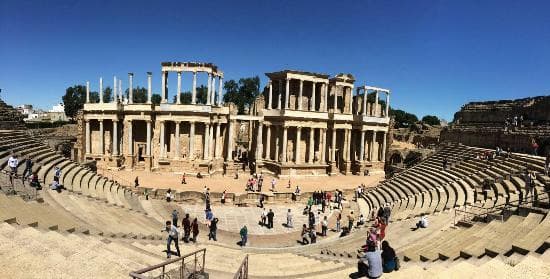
(213, 229)
(270, 216)
(13, 162)
(195, 229)
(324, 226)
(175, 216)
(28, 169)
(289, 219)
(186, 223)
(263, 218)
(172, 236)
(223, 196)
(136, 182)
(311, 219)
(351, 219)
(338, 221)
(183, 181)
(244, 235)
(273, 182)
(387, 213)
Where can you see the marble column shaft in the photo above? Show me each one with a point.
(177, 136)
(162, 144)
(362, 150)
(297, 156)
(311, 146)
(101, 138)
(88, 138)
(101, 90)
(148, 138)
(287, 93)
(115, 137)
(218, 144)
(284, 143)
(280, 97)
(194, 89)
(312, 100)
(259, 144)
(149, 90)
(130, 138)
(178, 94)
(268, 143)
(206, 141)
(130, 88)
(333, 151)
(87, 91)
(269, 99)
(299, 99)
(191, 140)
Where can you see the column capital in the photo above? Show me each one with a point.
(131, 74)
(100, 120)
(115, 120)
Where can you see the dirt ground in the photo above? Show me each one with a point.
(218, 184)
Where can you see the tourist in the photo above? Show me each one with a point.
(136, 182)
(527, 179)
(357, 193)
(370, 264)
(351, 219)
(186, 222)
(380, 212)
(289, 223)
(146, 194)
(35, 183)
(55, 185)
(57, 172)
(263, 218)
(260, 183)
(304, 235)
(381, 230)
(209, 215)
(313, 235)
(28, 169)
(535, 147)
(244, 235)
(262, 200)
(270, 216)
(387, 213)
(199, 175)
(175, 216)
(423, 222)
(323, 205)
(273, 182)
(183, 181)
(372, 235)
(213, 229)
(311, 219)
(172, 236)
(169, 196)
(13, 163)
(324, 226)
(297, 190)
(309, 203)
(445, 162)
(361, 221)
(338, 221)
(195, 229)
(223, 197)
(318, 219)
(547, 164)
(388, 257)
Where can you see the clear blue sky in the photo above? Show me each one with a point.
(433, 55)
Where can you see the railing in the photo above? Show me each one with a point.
(242, 273)
(498, 210)
(187, 266)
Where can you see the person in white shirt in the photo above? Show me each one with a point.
(423, 222)
(172, 236)
(289, 219)
(12, 163)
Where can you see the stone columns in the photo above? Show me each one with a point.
(311, 146)
(383, 156)
(130, 138)
(206, 141)
(312, 100)
(101, 138)
(130, 88)
(347, 144)
(268, 143)
(115, 138)
(164, 92)
(191, 140)
(280, 99)
(162, 147)
(177, 136)
(208, 88)
(114, 92)
(88, 139)
(323, 139)
(387, 104)
(287, 94)
(259, 142)
(87, 91)
(217, 146)
(277, 143)
(362, 149)
(101, 90)
(148, 138)
(325, 90)
(372, 155)
(213, 91)
(194, 89)
(269, 98)
(219, 102)
(364, 112)
(149, 91)
(229, 155)
(376, 103)
(178, 98)
(333, 151)
(351, 100)
(120, 90)
(210, 141)
(299, 100)
(298, 139)
(285, 132)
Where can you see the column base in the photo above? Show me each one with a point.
(148, 162)
(347, 167)
(333, 170)
(129, 161)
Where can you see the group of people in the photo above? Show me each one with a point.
(32, 176)
(255, 183)
(173, 231)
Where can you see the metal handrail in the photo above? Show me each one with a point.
(139, 274)
(242, 272)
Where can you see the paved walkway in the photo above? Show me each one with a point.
(233, 218)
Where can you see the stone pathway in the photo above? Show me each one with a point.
(233, 218)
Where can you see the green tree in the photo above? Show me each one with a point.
(185, 98)
(431, 120)
(243, 93)
(94, 97)
(403, 119)
(139, 95)
(74, 99)
(107, 94)
(156, 98)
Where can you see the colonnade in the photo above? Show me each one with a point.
(213, 97)
(286, 102)
(118, 96)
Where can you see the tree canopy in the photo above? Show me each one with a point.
(243, 93)
(156, 98)
(403, 119)
(431, 120)
(74, 99)
(139, 95)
